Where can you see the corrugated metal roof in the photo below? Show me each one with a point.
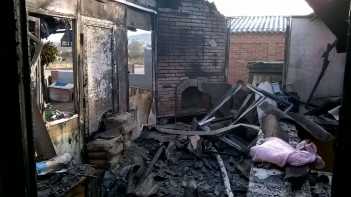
(269, 24)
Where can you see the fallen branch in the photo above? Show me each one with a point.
(205, 133)
(224, 173)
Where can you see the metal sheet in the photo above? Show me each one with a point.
(65, 137)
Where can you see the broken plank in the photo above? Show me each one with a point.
(42, 141)
(312, 128)
(299, 120)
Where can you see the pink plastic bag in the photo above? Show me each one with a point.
(280, 153)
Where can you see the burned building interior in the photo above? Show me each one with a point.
(172, 98)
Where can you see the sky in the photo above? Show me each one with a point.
(262, 7)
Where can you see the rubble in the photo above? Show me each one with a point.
(209, 157)
(177, 172)
(105, 148)
(65, 183)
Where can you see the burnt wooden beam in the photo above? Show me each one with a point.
(271, 127)
(299, 120)
(205, 133)
(42, 141)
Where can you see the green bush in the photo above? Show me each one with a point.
(49, 53)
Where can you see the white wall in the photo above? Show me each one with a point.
(309, 38)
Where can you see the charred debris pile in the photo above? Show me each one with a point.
(214, 154)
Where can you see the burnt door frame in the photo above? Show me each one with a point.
(18, 176)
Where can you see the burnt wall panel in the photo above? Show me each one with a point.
(108, 10)
(122, 68)
(139, 19)
(98, 65)
(191, 45)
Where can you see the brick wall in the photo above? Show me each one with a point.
(191, 44)
(246, 47)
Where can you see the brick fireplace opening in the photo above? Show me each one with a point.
(191, 99)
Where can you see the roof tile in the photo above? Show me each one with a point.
(270, 24)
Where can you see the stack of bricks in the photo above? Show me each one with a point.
(191, 45)
(250, 47)
(105, 151)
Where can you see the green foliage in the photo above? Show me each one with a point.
(49, 53)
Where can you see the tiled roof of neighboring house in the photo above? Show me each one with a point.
(264, 24)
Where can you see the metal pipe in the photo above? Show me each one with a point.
(206, 121)
(136, 6)
(255, 91)
(259, 102)
(229, 95)
(235, 144)
(246, 101)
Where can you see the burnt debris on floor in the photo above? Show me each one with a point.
(220, 154)
(165, 165)
(66, 182)
(259, 145)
